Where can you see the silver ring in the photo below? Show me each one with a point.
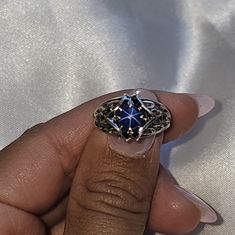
(132, 117)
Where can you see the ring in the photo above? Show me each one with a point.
(132, 117)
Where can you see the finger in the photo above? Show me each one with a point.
(27, 180)
(111, 192)
(184, 106)
(191, 106)
(113, 185)
(171, 212)
(175, 212)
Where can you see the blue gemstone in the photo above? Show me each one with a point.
(129, 117)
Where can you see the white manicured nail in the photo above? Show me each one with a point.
(208, 215)
(205, 103)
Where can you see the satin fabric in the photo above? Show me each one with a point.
(56, 54)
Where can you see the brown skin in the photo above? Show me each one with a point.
(111, 193)
(37, 171)
(172, 212)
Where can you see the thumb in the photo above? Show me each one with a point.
(114, 184)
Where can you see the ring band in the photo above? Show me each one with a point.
(132, 117)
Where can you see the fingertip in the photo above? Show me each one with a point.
(171, 211)
(179, 216)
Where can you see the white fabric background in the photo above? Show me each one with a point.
(56, 54)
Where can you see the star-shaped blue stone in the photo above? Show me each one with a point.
(130, 117)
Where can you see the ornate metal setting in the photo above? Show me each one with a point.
(132, 117)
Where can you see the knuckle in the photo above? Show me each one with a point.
(114, 194)
(41, 133)
(40, 137)
(34, 130)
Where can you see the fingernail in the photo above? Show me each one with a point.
(205, 103)
(208, 215)
(133, 148)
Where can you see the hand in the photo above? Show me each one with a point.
(67, 177)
